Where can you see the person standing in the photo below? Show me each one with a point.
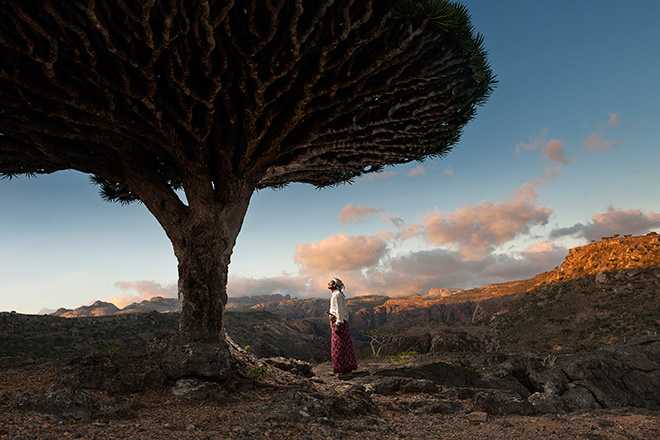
(344, 359)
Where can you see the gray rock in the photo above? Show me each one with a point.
(198, 390)
(500, 402)
(295, 366)
(601, 278)
(614, 377)
(579, 398)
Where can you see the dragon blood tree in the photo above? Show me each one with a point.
(220, 98)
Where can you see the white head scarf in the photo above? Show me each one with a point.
(338, 302)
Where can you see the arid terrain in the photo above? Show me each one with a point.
(569, 354)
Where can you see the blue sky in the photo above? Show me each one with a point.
(564, 152)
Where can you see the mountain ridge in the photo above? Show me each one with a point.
(597, 278)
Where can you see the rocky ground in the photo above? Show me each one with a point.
(385, 399)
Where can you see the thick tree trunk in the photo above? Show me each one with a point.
(203, 268)
(203, 235)
(203, 250)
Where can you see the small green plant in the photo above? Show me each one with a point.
(257, 372)
(112, 348)
(248, 349)
(405, 357)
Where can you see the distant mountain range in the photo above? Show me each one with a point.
(604, 291)
(101, 308)
(366, 312)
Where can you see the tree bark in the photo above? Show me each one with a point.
(203, 235)
(204, 251)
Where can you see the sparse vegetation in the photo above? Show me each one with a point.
(112, 348)
(379, 338)
(625, 307)
(549, 361)
(257, 372)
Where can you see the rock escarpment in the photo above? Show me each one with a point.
(613, 254)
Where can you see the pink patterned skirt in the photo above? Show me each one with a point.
(343, 353)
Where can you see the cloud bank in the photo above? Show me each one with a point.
(475, 230)
(342, 252)
(613, 221)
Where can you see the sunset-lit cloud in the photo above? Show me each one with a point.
(596, 143)
(528, 190)
(412, 273)
(474, 230)
(417, 171)
(554, 151)
(353, 214)
(449, 171)
(614, 221)
(143, 290)
(342, 252)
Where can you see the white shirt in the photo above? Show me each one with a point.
(338, 306)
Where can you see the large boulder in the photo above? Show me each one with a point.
(626, 375)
